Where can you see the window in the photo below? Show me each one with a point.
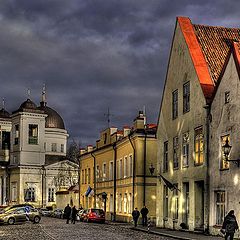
(15, 160)
(29, 195)
(85, 176)
(224, 165)
(16, 133)
(186, 97)
(120, 169)
(44, 146)
(125, 167)
(82, 176)
(105, 138)
(185, 149)
(111, 173)
(89, 175)
(198, 146)
(51, 193)
(227, 97)
(14, 192)
(165, 157)
(5, 140)
(175, 104)
(33, 134)
(130, 165)
(104, 170)
(175, 152)
(220, 207)
(165, 201)
(130, 203)
(175, 202)
(54, 147)
(120, 202)
(125, 202)
(97, 172)
(111, 203)
(62, 148)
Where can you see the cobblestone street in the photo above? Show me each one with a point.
(52, 228)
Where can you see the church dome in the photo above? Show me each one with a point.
(28, 104)
(4, 113)
(53, 120)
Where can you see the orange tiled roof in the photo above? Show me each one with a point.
(216, 43)
(236, 51)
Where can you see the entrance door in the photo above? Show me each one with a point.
(186, 204)
(199, 205)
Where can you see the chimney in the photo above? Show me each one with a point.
(82, 151)
(126, 131)
(139, 121)
(89, 148)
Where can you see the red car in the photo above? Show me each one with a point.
(95, 215)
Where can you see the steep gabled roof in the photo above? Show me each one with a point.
(236, 54)
(209, 48)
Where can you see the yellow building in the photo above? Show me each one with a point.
(115, 174)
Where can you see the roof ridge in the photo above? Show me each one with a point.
(204, 25)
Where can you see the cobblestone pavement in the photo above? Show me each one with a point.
(57, 229)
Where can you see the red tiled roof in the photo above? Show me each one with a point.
(216, 42)
(197, 56)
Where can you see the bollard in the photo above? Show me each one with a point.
(149, 225)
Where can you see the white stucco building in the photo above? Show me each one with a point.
(32, 154)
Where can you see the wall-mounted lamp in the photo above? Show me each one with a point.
(151, 169)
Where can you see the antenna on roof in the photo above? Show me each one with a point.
(108, 115)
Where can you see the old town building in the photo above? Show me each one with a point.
(33, 154)
(115, 173)
(201, 89)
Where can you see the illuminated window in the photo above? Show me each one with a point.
(33, 134)
(199, 146)
(175, 104)
(104, 170)
(165, 157)
(223, 163)
(185, 149)
(186, 97)
(175, 153)
(175, 202)
(220, 207)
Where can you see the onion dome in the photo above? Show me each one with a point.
(4, 113)
(28, 104)
(53, 120)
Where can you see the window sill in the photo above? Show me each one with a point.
(185, 166)
(223, 169)
(217, 226)
(198, 164)
(175, 168)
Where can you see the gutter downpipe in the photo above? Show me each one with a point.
(94, 174)
(114, 181)
(144, 167)
(208, 120)
(79, 182)
(134, 169)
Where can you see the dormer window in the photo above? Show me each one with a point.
(227, 97)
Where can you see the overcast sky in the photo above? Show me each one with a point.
(95, 54)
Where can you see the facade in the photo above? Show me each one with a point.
(32, 147)
(201, 88)
(117, 171)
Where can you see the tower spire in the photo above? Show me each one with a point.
(108, 115)
(43, 102)
(28, 93)
(3, 103)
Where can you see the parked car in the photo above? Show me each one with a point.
(16, 206)
(45, 212)
(58, 213)
(95, 215)
(16, 215)
(82, 214)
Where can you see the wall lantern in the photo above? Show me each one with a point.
(226, 149)
(151, 169)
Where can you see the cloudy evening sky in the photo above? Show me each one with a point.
(95, 54)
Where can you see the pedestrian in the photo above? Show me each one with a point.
(67, 212)
(144, 212)
(230, 225)
(73, 214)
(135, 215)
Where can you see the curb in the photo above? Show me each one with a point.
(162, 234)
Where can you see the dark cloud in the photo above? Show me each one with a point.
(95, 54)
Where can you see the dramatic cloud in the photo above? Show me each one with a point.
(95, 54)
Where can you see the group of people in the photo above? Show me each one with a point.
(70, 213)
(136, 215)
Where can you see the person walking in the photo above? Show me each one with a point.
(73, 214)
(67, 212)
(144, 212)
(135, 215)
(230, 225)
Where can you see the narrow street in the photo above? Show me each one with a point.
(52, 228)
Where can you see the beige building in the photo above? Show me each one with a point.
(202, 89)
(117, 170)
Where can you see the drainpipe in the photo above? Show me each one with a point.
(94, 174)
(144, 166)
(79, 182)
(134, 169)
(208, 120)
(114, 181)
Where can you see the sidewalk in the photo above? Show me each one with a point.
(177, 234)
